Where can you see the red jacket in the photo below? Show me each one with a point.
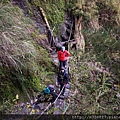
(63, 55)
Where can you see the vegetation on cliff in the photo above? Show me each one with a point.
(96, 73)
(26, 66)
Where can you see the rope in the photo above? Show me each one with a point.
(50, 103)
(46, 109)
(58, 95)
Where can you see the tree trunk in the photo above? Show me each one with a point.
(78, 36)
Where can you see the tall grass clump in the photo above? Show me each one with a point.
(23, 61)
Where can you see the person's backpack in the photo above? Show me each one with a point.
(61, 77)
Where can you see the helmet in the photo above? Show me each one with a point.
(47, 90)
(51, 87)
(63, 48)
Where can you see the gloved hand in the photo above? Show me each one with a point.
(35, 100)
(58, 84)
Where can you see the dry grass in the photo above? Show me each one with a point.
(24, 65)
(16, 44)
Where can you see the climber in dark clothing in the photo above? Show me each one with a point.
(47, 95)
(62, 79)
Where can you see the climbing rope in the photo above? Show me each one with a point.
(51, 103)
(46, 109)
(58, 95)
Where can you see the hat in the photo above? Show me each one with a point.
(51, 87)
(47, 90)
(63, 48)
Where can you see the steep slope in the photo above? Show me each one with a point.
(94, 75)
(25, 64)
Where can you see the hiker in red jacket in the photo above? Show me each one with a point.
(63, 56)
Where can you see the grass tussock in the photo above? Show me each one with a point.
(25, 66)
